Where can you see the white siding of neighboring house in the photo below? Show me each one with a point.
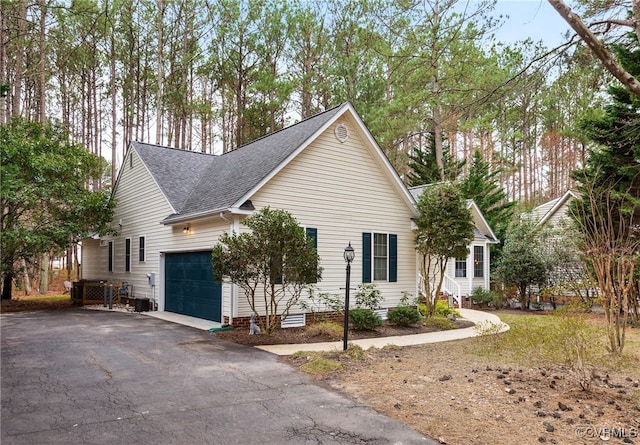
(560, 214)
(341, 190)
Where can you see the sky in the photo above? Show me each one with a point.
(531, 18)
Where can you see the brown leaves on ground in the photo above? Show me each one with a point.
(448, 393)
(34, 304)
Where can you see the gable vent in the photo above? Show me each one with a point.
(342, 132)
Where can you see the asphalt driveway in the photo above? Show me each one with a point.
(92, 377)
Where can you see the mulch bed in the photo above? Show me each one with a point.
(300, 335)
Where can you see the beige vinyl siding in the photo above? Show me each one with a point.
(341, 190)
(141, 207)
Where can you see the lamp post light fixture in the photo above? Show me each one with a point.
(349, 255)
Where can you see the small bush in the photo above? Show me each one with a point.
(403, 316)
(355, 352)
(368, 296)
(320, 365)
(481, 296)
(325, 328)
(364, 319)
(443, 309)
(441, 323)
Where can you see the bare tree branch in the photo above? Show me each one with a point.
(598, 47)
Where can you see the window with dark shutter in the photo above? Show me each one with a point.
(141, 249)
(127, 255)
(366, 258)
(110, 256)
(313, 234)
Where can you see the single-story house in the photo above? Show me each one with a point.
(462, 275)
(327, 171)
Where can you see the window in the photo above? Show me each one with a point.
(478, 261)
(141, 246)
(461, 267)
(127, 255)
(110, 256)
(379, 257)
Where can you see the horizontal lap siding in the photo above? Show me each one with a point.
(142, 206)
(340, 189)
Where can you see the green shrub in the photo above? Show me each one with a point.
(441, 323)
(443, 309)
(364, 319)
(368, 296)
(325, 328)
(404, 316)
(481, 296)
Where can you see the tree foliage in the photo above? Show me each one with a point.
(608, 213)
(45, 202)
(523, 263)
(272, 264)
(445, 230)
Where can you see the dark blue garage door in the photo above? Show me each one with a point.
(189, 285)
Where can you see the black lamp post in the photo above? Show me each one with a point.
(349, 255)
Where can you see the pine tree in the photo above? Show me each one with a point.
(424, 166)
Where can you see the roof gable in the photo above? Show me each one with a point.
(546, 211)
(233, 175)
(198, 185)
(175, 171)
(482, 228)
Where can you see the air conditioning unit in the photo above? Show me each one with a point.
(104, 243)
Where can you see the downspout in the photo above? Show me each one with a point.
(232, 296)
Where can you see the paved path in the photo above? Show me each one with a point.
(481, 319)
(93, 377)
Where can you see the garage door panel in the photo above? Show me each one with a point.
(189, 286)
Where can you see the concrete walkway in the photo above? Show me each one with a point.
(477, 317)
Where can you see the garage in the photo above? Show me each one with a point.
(189, 285)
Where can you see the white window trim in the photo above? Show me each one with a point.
(373, 257)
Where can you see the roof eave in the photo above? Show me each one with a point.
(172, 220)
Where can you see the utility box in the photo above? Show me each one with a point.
(141, 304)
(152, 278)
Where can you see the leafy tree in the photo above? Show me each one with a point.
(445, 230)
(522, 263)
(45, 204)
(275, 262)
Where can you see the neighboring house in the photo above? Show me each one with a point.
(551, 213)
(327, 171)
(568, 277)
(464, 274)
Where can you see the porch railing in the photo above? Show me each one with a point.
(449, 287)
(453, 290)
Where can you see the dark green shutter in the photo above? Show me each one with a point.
(393, 258)
(313, 234)
(366, 258)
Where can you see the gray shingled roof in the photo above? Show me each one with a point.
(197, 184)
(176, 171)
